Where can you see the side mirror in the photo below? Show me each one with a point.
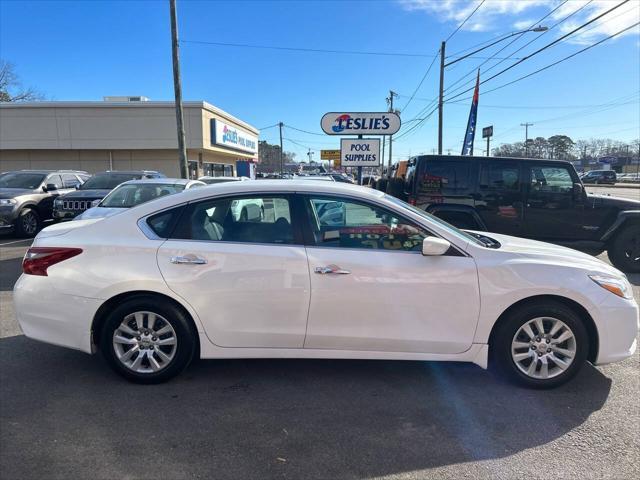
(50, 187)
(434, 246)
(578, 191)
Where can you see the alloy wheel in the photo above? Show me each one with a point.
(145, 342)
(543, 348)
(29, 223)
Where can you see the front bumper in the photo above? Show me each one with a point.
(65, 214)
(618, 322)
(8, 216)
(52, 317)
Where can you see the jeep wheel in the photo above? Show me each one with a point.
(624, 252)
(28, 223)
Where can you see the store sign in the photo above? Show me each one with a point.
(487, 131)
(225, 135)
(329, 154)
(360, 123)
(360, 152)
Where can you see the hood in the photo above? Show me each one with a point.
(533, 250)
(597, 200)
(14, 192)
(99, 212)
(86, 194)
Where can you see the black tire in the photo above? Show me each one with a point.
(624, 251)
(501, 343)
(185, 335)
(28, 223)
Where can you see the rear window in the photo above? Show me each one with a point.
(163, 223)
(446, 177)
(107, 181)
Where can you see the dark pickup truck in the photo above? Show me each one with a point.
(538, 199)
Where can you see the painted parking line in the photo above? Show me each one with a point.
(17, 241)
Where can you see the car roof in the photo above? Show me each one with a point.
(475, 158)
(45, 172)
(159, 181)
(127, 172)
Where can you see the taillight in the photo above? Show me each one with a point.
(412, 201)
(38, 259)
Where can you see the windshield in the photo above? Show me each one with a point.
(21, 180)
(130, 195)
(447, 226)
(107, 181)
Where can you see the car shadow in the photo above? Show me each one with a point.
(66, 412)
(10, 270)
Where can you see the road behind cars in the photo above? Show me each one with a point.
(65, 415)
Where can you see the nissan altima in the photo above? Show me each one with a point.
(295, 269)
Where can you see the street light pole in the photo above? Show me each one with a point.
(177, 88)
(281, 156)
(443, 65)
(440, 96)
(526, 126)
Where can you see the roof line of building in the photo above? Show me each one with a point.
(155, 104)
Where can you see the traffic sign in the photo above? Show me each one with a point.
(360, 123)
(329, 154)
(360, 152)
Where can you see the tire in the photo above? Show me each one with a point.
(28, 223)
(624, 251)
(563, 361)
(155, 358)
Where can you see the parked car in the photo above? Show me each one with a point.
(600, 177)
(97, 187)
(135, 192)
(340, 177)
(537, 199)
(214, 180)
(27, 196)
(185, 275)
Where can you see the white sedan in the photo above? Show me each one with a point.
(305, 269)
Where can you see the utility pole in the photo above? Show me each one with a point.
(526, 126)
(390, 100)
(440, 102)
(177, 88)
(310, 155)
(488, 149)
(281, 155)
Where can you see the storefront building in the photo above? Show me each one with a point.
(124, 134)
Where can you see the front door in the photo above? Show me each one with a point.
(239, 264)
(373, 290)
(552, 211)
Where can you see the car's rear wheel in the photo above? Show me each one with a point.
(541, 345)
(624, 252)
(147, 340)
(28, 223)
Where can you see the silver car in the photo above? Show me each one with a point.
(135, 192)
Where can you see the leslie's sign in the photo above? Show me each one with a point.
(360, 123)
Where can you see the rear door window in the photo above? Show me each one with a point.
(500, 176)
(446, 177)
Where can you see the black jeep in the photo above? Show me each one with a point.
(539, 199)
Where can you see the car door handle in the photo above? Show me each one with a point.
(334, 269)
(188, 260)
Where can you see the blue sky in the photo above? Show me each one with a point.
(85, 50)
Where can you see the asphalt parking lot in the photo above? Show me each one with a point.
(64, 414)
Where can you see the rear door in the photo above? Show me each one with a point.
(552, 211)
(240, 263)
(499, 200)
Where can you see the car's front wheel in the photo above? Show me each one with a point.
(540, 345)
(28, 223)
(147, 340)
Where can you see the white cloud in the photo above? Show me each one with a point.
(494, 15)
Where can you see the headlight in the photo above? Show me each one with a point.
(617, 286)
(57, 202)
(7, 201)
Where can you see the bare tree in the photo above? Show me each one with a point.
(11, 89)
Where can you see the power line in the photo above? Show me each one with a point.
(565, 58)
(306, 131)
(419, 84)
(270, 126)
(474, 70)
(549, 45)
(465, 21)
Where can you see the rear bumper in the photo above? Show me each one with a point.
(52, 317)
(618, 323)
